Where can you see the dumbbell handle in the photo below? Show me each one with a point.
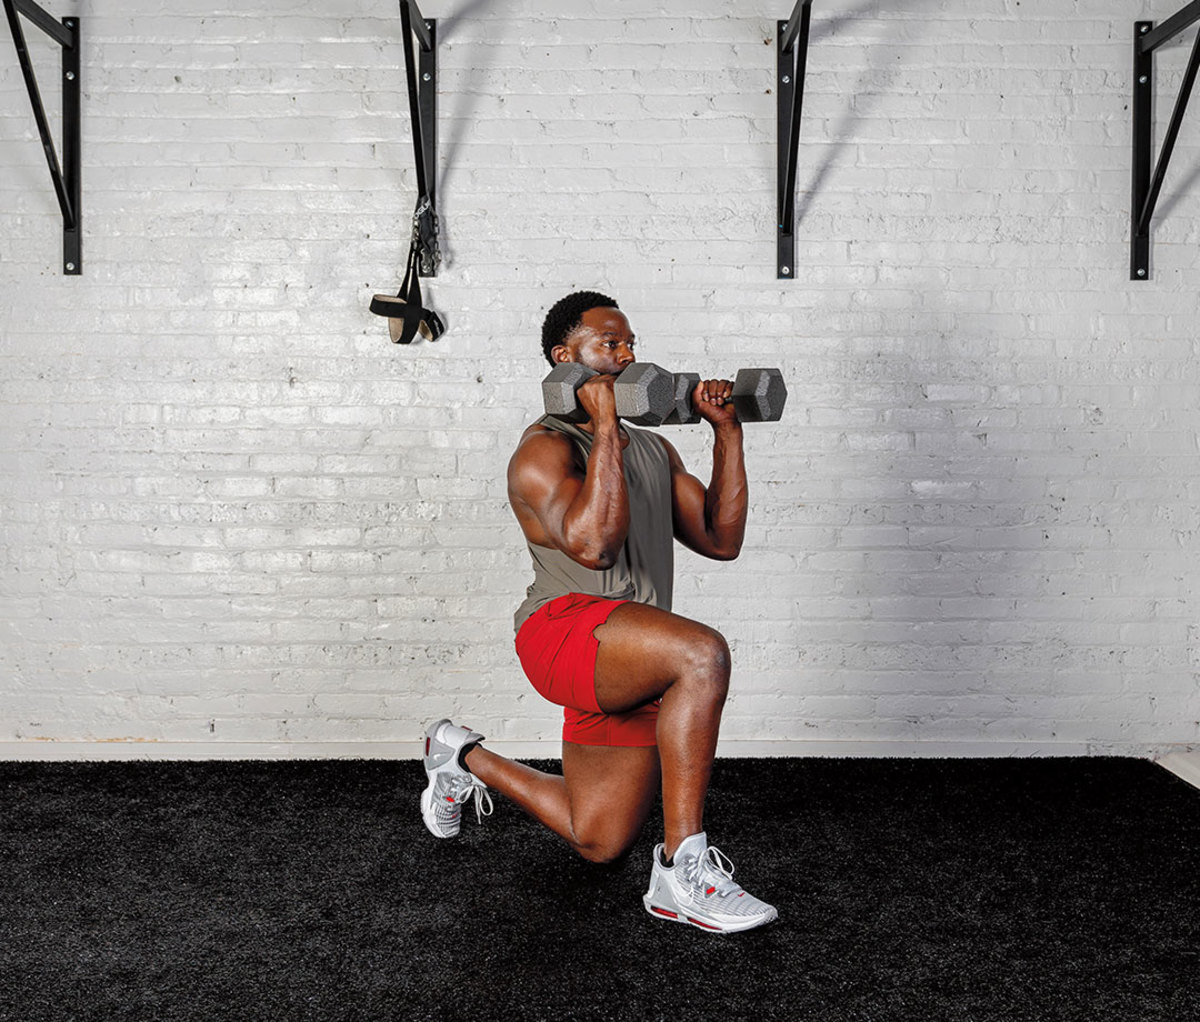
(758, 395)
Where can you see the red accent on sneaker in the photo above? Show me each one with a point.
(710, 890)
(449, 798)
(427, 741)
(664, 912)
(707, 926)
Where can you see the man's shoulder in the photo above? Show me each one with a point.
(540, 442)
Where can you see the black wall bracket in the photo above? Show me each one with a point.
(1147, 185)
(420, 71)
(67, 178)
(791, 58)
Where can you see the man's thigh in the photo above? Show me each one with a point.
(642, 650)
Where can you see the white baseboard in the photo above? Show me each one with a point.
(1185, 765)
(1180, 759)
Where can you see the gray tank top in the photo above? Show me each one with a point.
(645, 568)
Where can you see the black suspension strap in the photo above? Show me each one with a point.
(405, 311)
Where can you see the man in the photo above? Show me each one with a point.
(600, 505)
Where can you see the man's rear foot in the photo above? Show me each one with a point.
(450, 783)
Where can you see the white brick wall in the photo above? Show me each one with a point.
(233, 516)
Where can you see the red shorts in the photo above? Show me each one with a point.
(557, 649)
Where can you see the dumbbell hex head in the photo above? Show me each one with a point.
(683, 414)
(759, 395)
(645, 394)
(559, 387)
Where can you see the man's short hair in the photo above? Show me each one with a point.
(566, 314)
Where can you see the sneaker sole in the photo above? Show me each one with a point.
(671, 916)
(427, 813)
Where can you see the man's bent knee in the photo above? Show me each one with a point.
(603, 850)
(605, 840)
(709, 661)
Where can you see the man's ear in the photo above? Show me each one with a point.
(560, 354)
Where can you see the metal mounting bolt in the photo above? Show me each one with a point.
(1143, 80)
(426, 77)
(785, 25)
(1145, 29)
(70, 76)
(785, 270)
(786, 79)
(1141, 272)
(70, 267)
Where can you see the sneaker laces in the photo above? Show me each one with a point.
(460, 789)
(712, 872)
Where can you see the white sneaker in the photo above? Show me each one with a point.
(449, 784)
(699, 889)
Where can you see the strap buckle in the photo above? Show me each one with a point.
(425, 228)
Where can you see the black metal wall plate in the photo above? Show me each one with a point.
(67, 178)
(1148, 184)
(791, 61)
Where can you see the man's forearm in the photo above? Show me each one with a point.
(727, 500)
(597, 522)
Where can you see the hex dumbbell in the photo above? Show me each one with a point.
(648, 395)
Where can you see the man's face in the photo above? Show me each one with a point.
(602, 341)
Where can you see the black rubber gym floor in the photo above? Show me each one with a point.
(907, 889)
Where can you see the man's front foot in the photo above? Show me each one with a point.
(450, 783)
(699, 889)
